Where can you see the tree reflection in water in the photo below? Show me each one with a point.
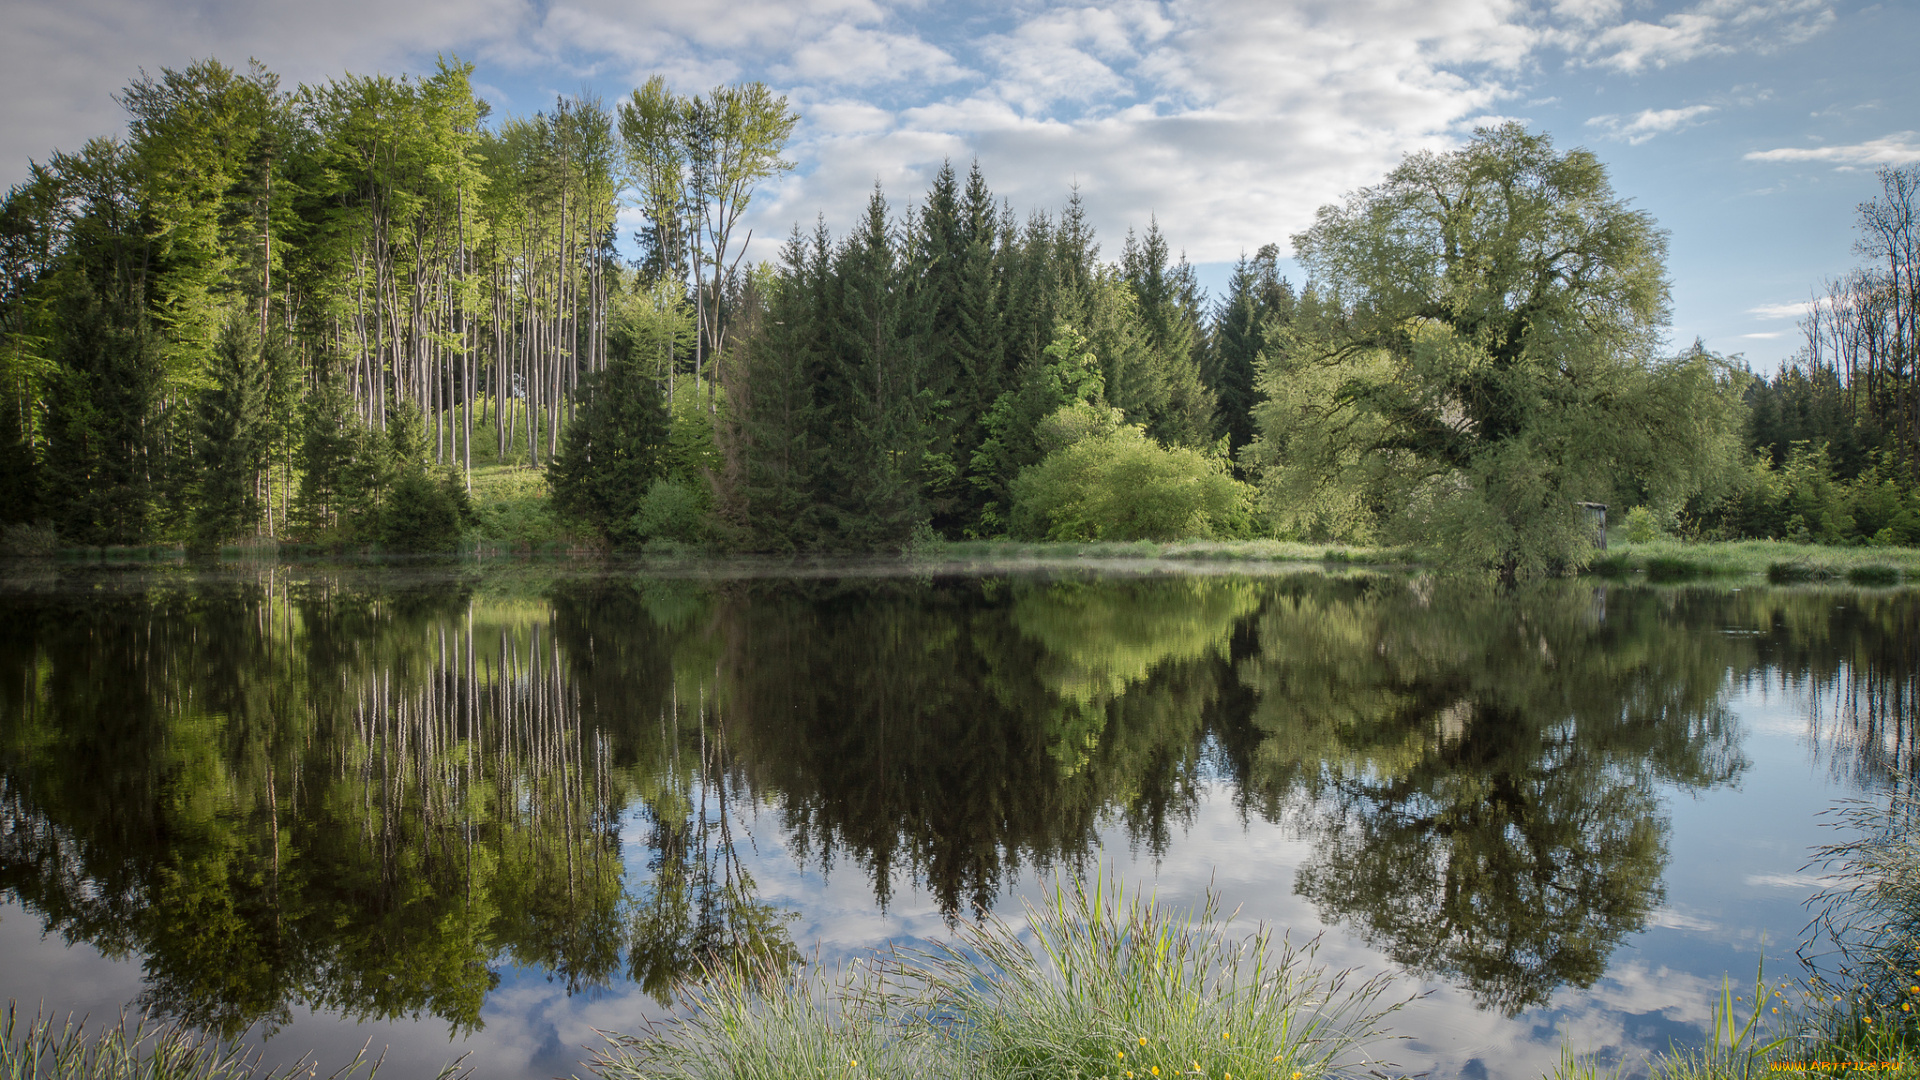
(366, 793)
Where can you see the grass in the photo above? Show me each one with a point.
(1780, 561)
(43, 1047)
(1086, 985)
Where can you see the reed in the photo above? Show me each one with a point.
(48, 1047)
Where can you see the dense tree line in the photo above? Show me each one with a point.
(285, 314)
(271, 312)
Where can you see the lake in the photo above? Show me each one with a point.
(490, 808)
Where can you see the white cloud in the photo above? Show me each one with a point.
(1648, 123)
(62, 60)
(1231, 120)
(1795, 310)
(860, 57)
(1712, 27)
(1765, 336)
(1900, 148)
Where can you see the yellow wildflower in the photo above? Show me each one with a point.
(1156, 1070)
(1121, 1054)
(1143, 1040)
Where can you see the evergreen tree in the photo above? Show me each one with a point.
(102, 404)
(329, 441)
(979, 347)
(775, 402)
(1175, 404)
(614, 447)
(936, 258)
(234, 436)
(1258, 300)
(874, 400)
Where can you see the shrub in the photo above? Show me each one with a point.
(673, 511)
(1641, 525)
(1126, 486)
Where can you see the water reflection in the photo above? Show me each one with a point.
(368, 795)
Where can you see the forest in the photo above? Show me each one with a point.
(269, 316)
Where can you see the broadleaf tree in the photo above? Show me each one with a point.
(1494, 363)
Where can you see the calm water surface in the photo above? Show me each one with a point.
(491, 810)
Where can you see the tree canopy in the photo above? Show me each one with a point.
(1492, 362)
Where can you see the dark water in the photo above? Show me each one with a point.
(492, 810)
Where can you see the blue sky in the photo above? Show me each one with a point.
(1749, 128)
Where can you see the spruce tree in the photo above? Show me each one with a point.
(875, 402)
(613, 448)
(102, 401)
(1175, 404)
(233, 441)
(1258, 300)
(775, 403)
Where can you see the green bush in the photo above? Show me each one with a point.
(1641, 525)
(1126, 486)
(672, 511)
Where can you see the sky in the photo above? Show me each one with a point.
(1749, 129)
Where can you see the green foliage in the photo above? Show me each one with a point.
(1804, 500)
(101, 407)
(331, 443)
(1123, 485)
(1494, 364)
(1067, 372)
(1641, 525)
(673, 511)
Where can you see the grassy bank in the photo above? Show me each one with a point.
(1779, 561)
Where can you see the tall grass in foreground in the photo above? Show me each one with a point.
(1091, 986)
(44, 1047)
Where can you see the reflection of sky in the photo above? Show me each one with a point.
(1735, 878)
